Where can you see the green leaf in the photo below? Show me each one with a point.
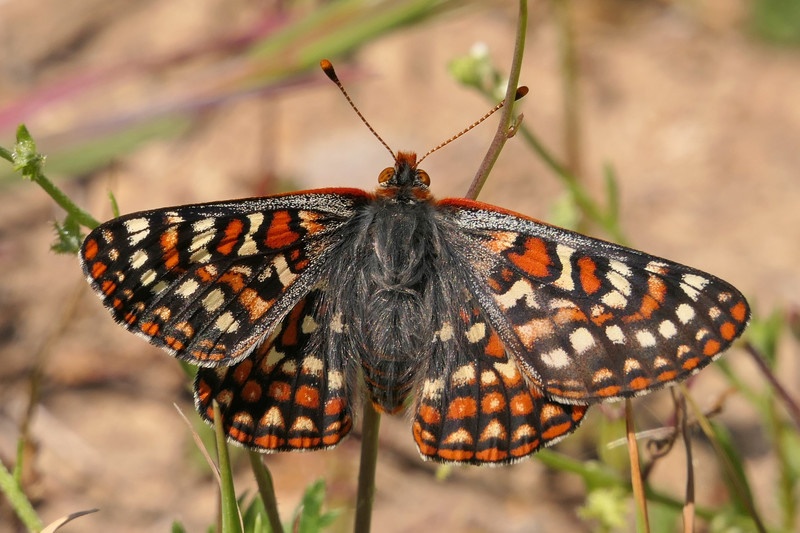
(308, 517)
(68, 236)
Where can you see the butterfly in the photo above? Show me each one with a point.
(495, 329)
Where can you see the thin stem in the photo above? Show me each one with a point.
(636, 473)
(569, 77)
(506, 116)
(267, 490)
(688, 508)
(791, 404)
(229, 508)
(370, 428)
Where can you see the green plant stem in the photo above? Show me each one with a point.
(569, 79)
(266, 489)
(19, 502)
(365, 497)
(229, 508)
(507, 113)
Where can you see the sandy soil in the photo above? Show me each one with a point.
(700, 120)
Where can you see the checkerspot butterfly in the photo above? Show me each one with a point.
(502, 328)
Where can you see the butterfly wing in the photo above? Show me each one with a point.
(208, 282)
(288, 394)
(588, 320)
(473, 403)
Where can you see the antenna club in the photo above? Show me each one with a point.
(521, 90)
(327, 68)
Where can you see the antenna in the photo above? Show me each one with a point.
(327, 68)
(521, 91)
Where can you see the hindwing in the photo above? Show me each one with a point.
(287, 395)
(587, 320)
(474, 405)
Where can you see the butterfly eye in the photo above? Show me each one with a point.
(385, 175)
(423, 177)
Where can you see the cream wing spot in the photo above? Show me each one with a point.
(667, 329)
(615, 299)
(581, 340)
(615, 334)
(226, 322)
(138, 259)
(273, 418)
(477, 332)
(213, 300)
(564, 281)
(645, 338)
(557, 358)
(685, 313)
(188, 288)
(464, 375)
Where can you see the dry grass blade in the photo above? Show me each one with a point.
(636, 473)
(200, 445)
(53, 526)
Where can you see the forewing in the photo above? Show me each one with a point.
(287, 395)
(474, 405)
(588, 320)
(208, 282)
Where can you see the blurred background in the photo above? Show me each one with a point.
(694, 104)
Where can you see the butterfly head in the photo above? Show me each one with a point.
(404, 179)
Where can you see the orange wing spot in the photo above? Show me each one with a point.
(269, 442)
(97, 269)
(711, 347)
(578, 411)
(232, 233)
(309, 222)
(206, 273)
(254, 303)
(656, 288)
(462, 408)
(116, 304)
(492, 403)
(535, 259)
(307, 397)
(639, 383)
(149, 328)
(90, 250)
(667, 375)
(507, 274)
(278, 233)
(739, 312)
(330, 440)
(456, 455)
(304, 442)
(492, 455)
(557, 431)
(495, 346)
(234, 280)
(649, 304)
(173, 343)
(290, 337)
(599, 320)
(239, 435)
(521, 404)
(525, 449)
(168, 241)
(251, 392)
(280, 391)
(421, 437)
(429, 414)
(565, 315)
(691, 364)
(300, 265)
(727, 330)
(494, 285)
(108, 287)
(589, 281)
(334, 406)
(635, 317)
(242, 371)
(203, 391)
(611, 390)
(130, 318)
